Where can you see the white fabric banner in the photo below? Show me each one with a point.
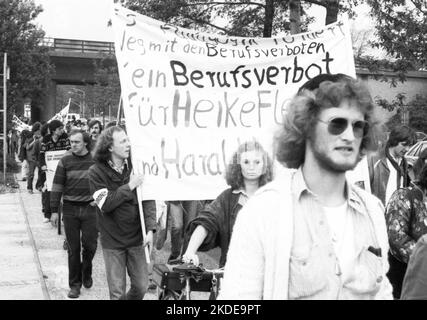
(62, 115)
(190, 98)
(52, 159)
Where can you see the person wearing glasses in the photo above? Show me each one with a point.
(310, 233)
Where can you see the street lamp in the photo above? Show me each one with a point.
(82, 104)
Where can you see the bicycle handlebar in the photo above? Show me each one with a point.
(193, 269)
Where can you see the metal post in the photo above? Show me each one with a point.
(4, 116)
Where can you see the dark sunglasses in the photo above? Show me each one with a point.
(337, 126)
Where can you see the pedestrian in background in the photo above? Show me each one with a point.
(406, 217)
(56, 140)
(95, 129)
(32, 146)
(390, 172)
(22, 154)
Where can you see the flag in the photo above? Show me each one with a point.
(62, 115)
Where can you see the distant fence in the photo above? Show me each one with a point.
(57, 44)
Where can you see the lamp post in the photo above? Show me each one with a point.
(83, 102)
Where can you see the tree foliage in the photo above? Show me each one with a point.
(401, 27)
(242, 18)
(416, 109)
(28, 61)
(106, 90)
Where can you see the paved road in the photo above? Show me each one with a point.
(33, 264)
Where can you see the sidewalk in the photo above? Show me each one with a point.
(37, 269)
(21, 276)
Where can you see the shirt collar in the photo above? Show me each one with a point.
(240, 191)
(116, 168)
(299, 187)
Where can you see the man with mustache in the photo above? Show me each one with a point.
(311, 233)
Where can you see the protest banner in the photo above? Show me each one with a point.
(19, 125)
(52, 159)
(190, 98)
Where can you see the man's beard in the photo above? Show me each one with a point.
(328, 164)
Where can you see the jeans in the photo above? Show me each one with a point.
(46, 204)
(24, 169)
(180, 215)
(80, 219)
(41, 179)
(396, 274)
(32, 165)
(117, 261)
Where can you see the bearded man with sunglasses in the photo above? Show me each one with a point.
(311, 234)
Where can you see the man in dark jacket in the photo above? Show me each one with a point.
(390, 172)
(113, 188)
(32, 146)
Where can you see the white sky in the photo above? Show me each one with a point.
(87, 19)
(76, 19)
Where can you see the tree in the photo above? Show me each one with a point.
(416, 110)
(106, 90)
(243, 18)
(29, 62)
(418, 113)
(401, 28)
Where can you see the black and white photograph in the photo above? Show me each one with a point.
(223, 152)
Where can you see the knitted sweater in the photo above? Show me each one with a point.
(71, 180)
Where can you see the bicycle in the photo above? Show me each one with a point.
(177, 282)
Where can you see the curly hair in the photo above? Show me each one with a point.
(303, 111)
(101, 153)
(233, 173)
(94, 122)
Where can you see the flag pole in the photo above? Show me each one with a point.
(119, 109)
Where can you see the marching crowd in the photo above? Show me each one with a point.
(303, 231)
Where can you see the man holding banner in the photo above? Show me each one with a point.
(311, 233)
(113, 188)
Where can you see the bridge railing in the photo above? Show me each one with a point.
(58, 44)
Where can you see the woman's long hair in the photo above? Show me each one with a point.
(233, 173)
